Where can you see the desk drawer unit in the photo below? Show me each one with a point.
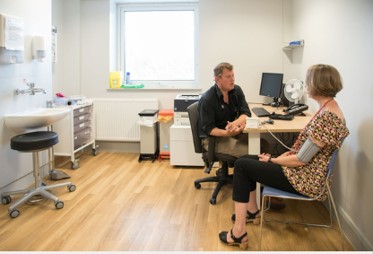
(182, 147)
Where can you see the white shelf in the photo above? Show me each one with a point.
(294, 44)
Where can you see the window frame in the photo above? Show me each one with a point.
(164, 6)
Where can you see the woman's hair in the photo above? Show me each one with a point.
(220, 67)
(323, 80)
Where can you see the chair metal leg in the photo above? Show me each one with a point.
(336, 215)
(332, 208)
(261, 222)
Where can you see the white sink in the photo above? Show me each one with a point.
(41, 117)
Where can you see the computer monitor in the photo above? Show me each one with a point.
(271, 86)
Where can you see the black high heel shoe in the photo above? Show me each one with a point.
(236, 241)
(250, 217)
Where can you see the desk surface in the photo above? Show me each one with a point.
(295, 125)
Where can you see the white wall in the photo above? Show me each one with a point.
(259, 37)
(66, 72)
(249, 34)
(340, 33)
(37, 20)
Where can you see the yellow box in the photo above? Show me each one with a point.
(115, 79)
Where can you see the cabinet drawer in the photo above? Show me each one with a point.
(81, 126)
(82, 137)
(82, 111)
(82, 118)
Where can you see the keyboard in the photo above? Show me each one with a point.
(260, 112)
(281, 117)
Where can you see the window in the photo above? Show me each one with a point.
(158, 44)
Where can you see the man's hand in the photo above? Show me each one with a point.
(234, 128)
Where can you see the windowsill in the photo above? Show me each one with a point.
(171, 88)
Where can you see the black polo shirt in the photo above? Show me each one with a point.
(214, 112)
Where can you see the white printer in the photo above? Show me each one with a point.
(181, 103)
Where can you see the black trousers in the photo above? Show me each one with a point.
(248, 170)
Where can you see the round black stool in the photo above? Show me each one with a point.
(34, 142)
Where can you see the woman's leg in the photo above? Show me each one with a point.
(247, 171)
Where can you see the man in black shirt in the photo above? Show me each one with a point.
(223, 110)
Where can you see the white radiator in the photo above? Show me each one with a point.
(116, 119)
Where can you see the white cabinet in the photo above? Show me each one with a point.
(75, 132)
(182, 147)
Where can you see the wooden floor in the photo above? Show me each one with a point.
(123, 205)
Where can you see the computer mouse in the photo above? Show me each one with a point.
(270, 121)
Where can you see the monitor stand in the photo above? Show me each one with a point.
(276, 103)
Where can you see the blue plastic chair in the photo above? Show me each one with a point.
(269, 192)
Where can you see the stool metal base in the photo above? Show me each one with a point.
(30, 193)
(34, 142)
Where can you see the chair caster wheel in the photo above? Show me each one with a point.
(6, 200)
(59, 204)
(197, 185)
(14, 213)
(213, 201)
(71, 188)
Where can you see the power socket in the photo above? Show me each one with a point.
(252, 123)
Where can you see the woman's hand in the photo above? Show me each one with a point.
(265, 157)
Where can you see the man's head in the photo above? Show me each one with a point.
(224, 76)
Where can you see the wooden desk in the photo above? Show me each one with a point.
(295, 125)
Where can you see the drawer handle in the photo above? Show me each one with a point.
(81, 125)
(81, 117)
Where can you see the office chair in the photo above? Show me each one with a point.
(269, 192)
(209, 157)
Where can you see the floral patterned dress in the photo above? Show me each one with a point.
(309, 180)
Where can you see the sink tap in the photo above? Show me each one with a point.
(32, 90)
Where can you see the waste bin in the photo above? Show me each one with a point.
(149, 139)
(165, 120)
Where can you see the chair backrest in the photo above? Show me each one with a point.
(331, 163)
(193, 115)
(330, 166)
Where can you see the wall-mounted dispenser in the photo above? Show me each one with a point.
(11, 39)
(38, 48)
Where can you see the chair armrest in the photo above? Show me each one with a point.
(211, 150)
(209, 156)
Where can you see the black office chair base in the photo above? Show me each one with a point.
(222, 179)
